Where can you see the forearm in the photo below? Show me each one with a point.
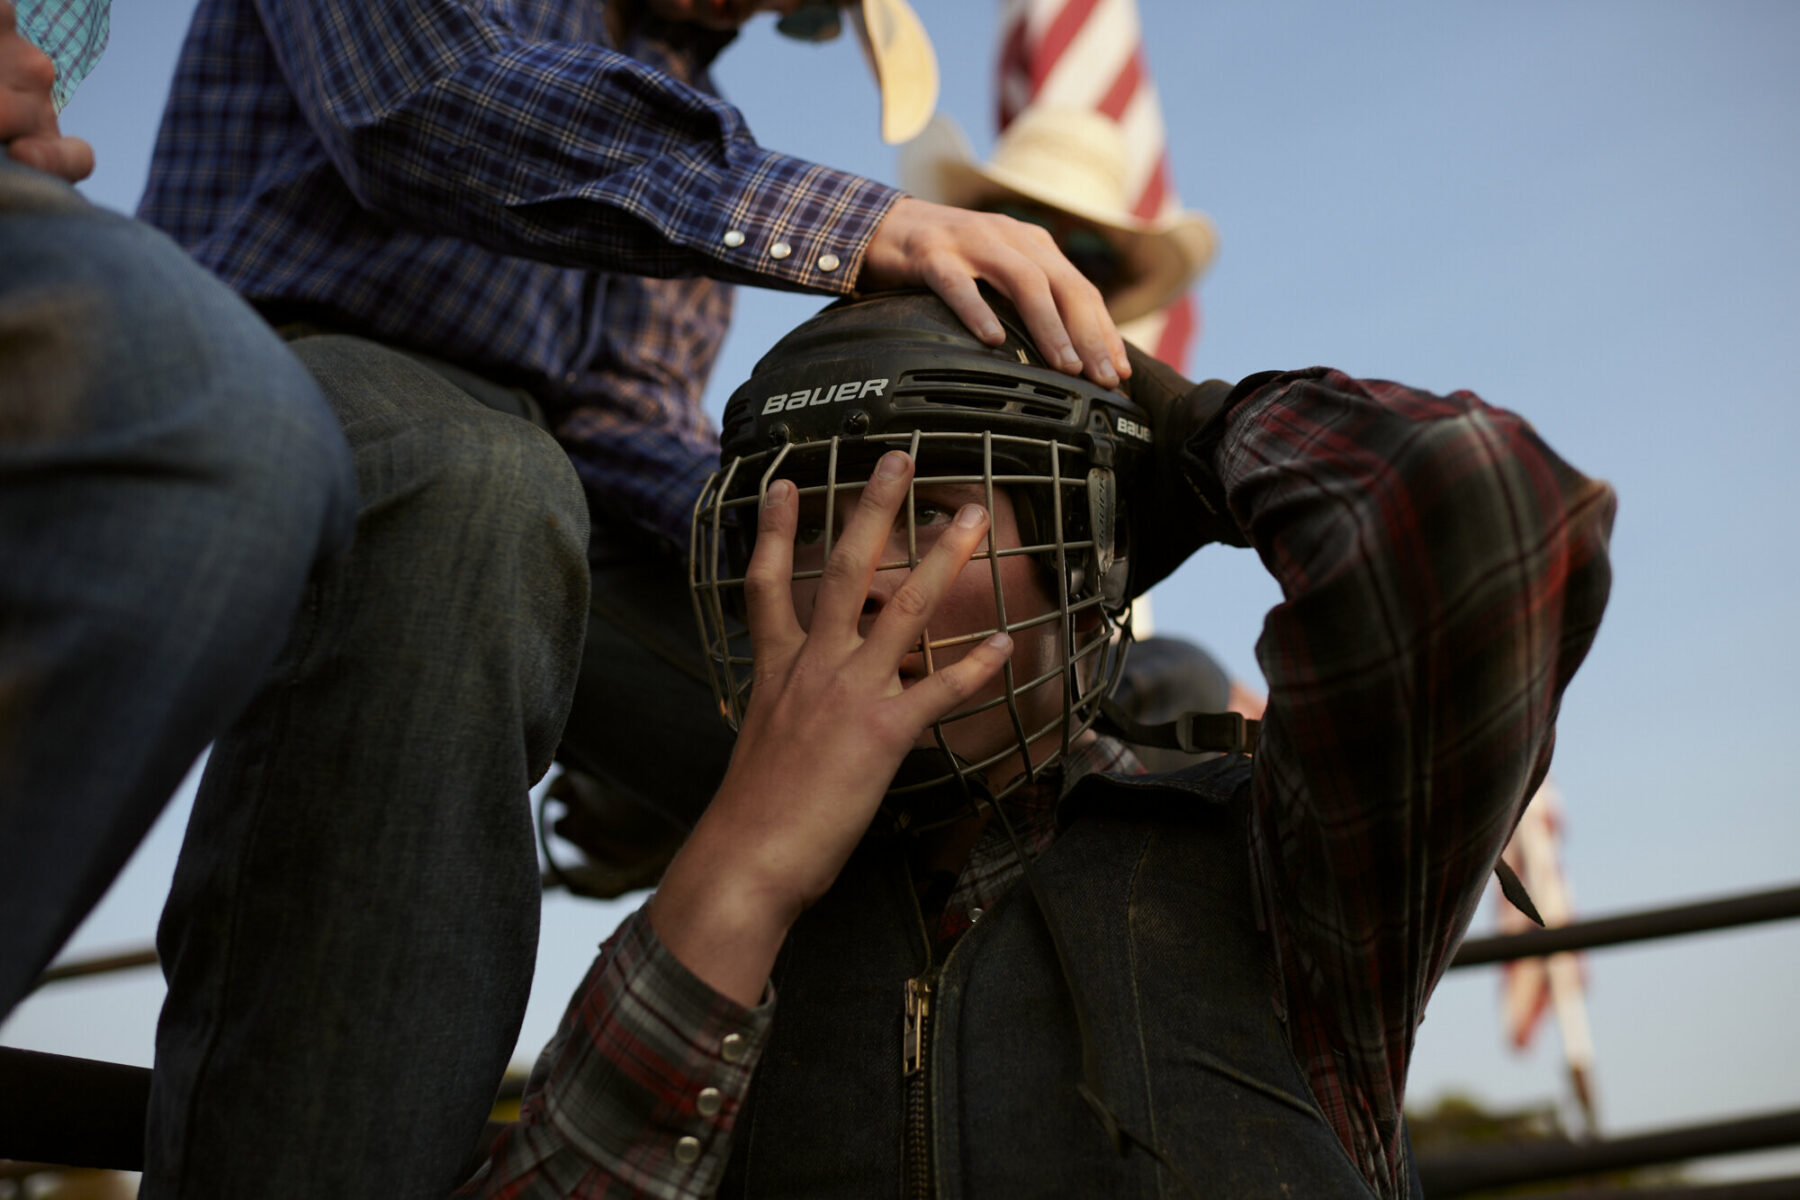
(442, 118)
(717, 917)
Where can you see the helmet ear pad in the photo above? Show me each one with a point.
(1101, 567)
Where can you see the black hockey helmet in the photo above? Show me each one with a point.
(900, 371)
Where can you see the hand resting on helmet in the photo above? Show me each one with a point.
(827, 725)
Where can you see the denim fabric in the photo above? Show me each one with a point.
(168, 476)
(1149, 892)
(352, 929)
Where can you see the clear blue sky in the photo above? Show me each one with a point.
(1583, 212)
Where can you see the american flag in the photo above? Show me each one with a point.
(1090, 54)
(1532, 987)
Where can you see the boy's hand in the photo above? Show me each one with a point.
(827, 725)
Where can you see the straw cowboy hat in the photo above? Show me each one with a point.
(896, 47)
(1073, 160)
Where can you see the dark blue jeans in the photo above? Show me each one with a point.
(350, 936)
(169, 475)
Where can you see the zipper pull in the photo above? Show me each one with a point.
(912, 1037)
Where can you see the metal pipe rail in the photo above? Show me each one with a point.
(72, 1111)
(102, 964)
(82, 1113)
(1452, 1173)
(1749, 909)
(1747, 1189)
(79, 1112)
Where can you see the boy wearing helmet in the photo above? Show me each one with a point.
(937, 931)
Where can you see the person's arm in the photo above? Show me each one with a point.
(441, 116)
(1443, 575)
(827, 725)
(28, 127)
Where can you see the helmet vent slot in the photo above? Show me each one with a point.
(990, 392)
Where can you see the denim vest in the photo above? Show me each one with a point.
(1149, 887)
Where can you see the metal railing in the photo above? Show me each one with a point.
(82, 1113)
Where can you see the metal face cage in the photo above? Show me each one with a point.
(1067, 511)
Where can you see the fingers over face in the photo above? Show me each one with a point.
(850, 568)
(907, 612)
(951, 686)
(768, 580)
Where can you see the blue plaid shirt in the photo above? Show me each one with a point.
(72, 33)
(482, 181)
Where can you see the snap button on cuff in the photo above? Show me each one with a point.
(780, 250)
(734, 238)
(828, 263)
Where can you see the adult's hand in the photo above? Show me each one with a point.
(28, 126)
(920, 244)
(827, 725)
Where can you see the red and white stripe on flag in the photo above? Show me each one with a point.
(1090, 54)
(1529, 985)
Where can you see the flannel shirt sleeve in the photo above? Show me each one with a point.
(452, 118)
(1443, 575)
(637, 1093)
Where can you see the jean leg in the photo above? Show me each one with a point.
(169, 474)
(352, 929)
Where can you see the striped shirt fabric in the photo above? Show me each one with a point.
(73, 33)
(1443, 575)
(484, 182)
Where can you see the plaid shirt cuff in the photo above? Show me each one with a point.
(798, 223)
(639, 1090)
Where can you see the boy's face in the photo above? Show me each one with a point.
(967, 611)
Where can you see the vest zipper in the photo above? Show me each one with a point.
(916, 1147)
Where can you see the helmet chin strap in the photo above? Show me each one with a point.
(1193, 733)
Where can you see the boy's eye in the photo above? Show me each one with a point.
(927, 513)
(809, 533)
